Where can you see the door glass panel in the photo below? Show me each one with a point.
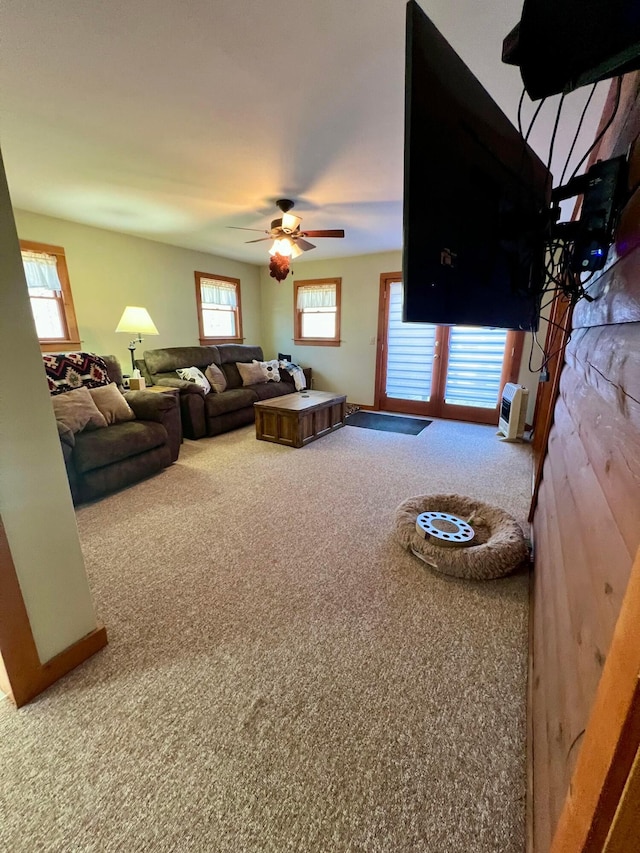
(475, 366)
(410, 350)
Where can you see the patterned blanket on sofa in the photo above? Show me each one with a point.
(66, 371)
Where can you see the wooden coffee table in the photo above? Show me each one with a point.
(297, 419)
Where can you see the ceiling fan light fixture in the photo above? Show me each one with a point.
(289, 239)
(282, 246)
(290, 222)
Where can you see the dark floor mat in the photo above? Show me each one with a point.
(387, 423)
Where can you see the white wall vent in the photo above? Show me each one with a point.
(513, 411)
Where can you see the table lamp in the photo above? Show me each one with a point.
(136, 320)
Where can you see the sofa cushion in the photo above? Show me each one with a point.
(112, 405)
(114, 370)
(270, 369)
(251, 374)
(229, 401)
(194, 374)
(117, 442)
(217, 378)
(170, 359)
(230, 353)
(101, 481)
(234, 380)
(69, 370)
(267, 390)
(76, 410)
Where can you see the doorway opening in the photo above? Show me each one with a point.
(455, 372)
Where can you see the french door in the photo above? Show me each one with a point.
(440, 371)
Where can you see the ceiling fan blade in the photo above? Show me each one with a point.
(240, 228)
(304, 244)
(336, 232)
(259, 240)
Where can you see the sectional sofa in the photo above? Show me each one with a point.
(206, 414)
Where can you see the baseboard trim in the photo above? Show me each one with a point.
(22, 675)
(362, 406)
(72, 657)
(60, 665)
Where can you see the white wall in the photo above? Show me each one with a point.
(108, 270)
(35, 502)
(349, 368)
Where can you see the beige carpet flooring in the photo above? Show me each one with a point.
(281, 676)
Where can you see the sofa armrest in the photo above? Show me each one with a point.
(183, 385)
(148, 406)
(161, 408)
(65, 434)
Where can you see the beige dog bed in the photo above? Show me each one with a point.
(498, 547)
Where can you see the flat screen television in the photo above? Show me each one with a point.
(474, 196)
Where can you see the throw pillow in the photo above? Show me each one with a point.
(217, 378)
(112, 404)
(193, 374)
(270, 369)
(77, 411)
(66, 371)
(252, 374)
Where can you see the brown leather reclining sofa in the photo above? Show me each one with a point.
(212, 413)
(103, 460)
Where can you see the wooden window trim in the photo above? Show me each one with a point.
(297, 315)
(72, 338)
(207, 341)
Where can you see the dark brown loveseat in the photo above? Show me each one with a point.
(213, 413)
(103, 460)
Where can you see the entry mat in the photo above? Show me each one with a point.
(387, 423)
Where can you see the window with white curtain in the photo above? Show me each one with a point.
(47, 279)
(317, 312)
(218, 299)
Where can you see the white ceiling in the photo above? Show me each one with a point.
(173, 119)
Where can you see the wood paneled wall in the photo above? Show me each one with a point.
(587, 517)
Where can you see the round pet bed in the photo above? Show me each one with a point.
(498, 546)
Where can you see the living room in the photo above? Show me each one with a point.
(257, 604)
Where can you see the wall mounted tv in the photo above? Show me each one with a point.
(474, 196)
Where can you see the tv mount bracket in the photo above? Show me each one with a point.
(604, 192)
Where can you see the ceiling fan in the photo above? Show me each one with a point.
(288, 239)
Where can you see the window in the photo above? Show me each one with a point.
(219, 309)
(45, 269)
(317, 312)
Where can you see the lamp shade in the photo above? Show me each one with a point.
(137, 320)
